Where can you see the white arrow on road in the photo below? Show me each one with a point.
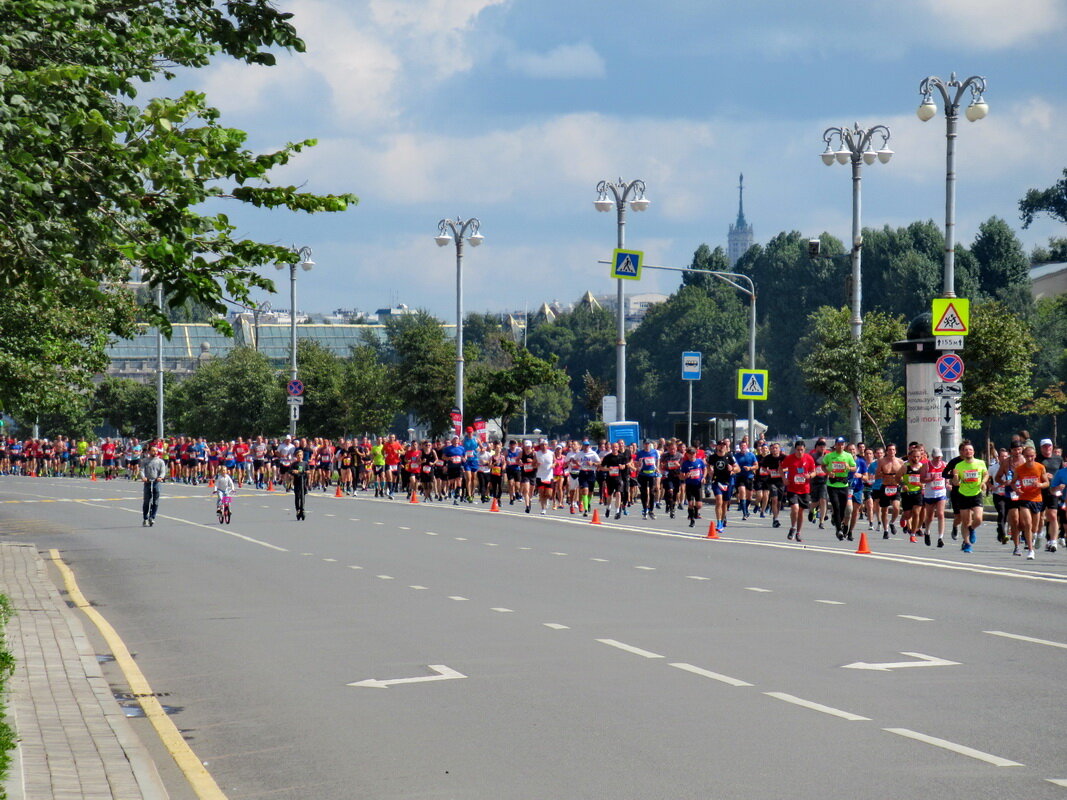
(443, 674)
(925, 661)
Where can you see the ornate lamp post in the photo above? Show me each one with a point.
(855, 146)
(454, 231)
(620, 192)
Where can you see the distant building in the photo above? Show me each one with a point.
(741, 237)
(1048, 280)
(636, 305)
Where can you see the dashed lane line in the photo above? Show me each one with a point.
(830, 602)
(758, 589)
(963, 750)
(834, 712)
(503, 610)
(913, 617)
(715, 676)
(629, 648)
(1030, 639)
(556, 626)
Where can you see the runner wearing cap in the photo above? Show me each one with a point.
(588, 465)
(1052, 464)
(693, 471)
(546, 462)
(933, 481)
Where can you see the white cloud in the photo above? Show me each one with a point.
(993, 24)
(579, 60)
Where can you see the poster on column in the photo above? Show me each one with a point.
(457, 423)
(480, 431)
(923, 407)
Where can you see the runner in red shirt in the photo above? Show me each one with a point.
(392, 451)
(798, 469)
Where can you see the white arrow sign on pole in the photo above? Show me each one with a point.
(925, 661)
(443, 674)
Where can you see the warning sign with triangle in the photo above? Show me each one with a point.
(951, 316)
(752, 384)
(627, 264)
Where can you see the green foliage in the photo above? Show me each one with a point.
(129, 406)
(841, 370)
(325, 401)
(91, 181)
(8, 740)
(1055, 253)
(1050, 404)
(370, 404)
(424, 368)
(239, 395)
(1002, 263)
(497, 393)
(998, 352)
(1051, 201)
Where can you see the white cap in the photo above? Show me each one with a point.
(1046, 441)
(527, 443)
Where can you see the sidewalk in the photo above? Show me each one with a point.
(74, 741)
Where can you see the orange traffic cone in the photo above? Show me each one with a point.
(495, 506)
(338, 492)
(712, 532)
(596, 517)
(270, 486)
(211, 483)
(414, 497)
(93, 478)
(863, 549)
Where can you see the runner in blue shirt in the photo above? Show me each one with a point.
(859, 484)
(693, 471)
(647, 477)
(745, 479)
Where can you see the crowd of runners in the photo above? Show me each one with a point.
(840, 484)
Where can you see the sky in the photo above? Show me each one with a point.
(511, 111)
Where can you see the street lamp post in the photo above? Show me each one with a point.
(855, 146)
(304, 255)
(951, 93)
(454, 231)
(622, 192)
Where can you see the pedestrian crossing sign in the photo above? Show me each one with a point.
(752, 384)
(952, 316)
(627, 264)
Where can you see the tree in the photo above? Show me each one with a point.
(997, 351)
(424, 368)
(843, 370)
(92, 182)
(128, 406)
(1002, 262)
(1051, 403)
(1051, 201)
(498, 393)
(239, 395)
(1055, 253)
(366, 386)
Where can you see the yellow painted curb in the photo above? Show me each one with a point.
(191, 766)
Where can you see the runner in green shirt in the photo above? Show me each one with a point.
(970, 477)
(377, 459)
(840, 466)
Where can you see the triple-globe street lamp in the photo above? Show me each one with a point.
(615, 194)
(855, 145)
(951, 91)
(455, 231)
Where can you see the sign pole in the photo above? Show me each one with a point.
(689, 435)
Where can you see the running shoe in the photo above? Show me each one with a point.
(789, 536)
(797, 538)
(1030, 555)
(940, 542)
(776, 524)
(926, 537)
(966, 548)
(972, 536)
(1017, 551)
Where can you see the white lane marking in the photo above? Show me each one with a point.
(917, 619)
(404, 527)
(460, 539)
(353, 519)
(379, 523)
(556, 626)
(559, 554)
(430, 533)
(330, 560)
(1057, 781)
(830, 602)
(1030, 639)
(996, 761)
(386, 577)
(650, 569)
(697, 578)
(715, 676)
(456, 597)
(354, 566)
(307, 554)
(502, 610)
(757, 589)
(601, 560)
(222, 530)
(329, 515)
(924, 661)
(835, 712)
(490, 544)
(417, 587)
(443, 674)
(264, 506)
(629, 648)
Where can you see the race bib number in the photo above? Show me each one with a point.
(613, 471)
(890, 491)
(1029, 481)
(800, 477)
(839, 467)
(970, 476)
(937, 485)
(776, 473)
(913, 480)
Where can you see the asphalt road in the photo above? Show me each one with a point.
(627, 660)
